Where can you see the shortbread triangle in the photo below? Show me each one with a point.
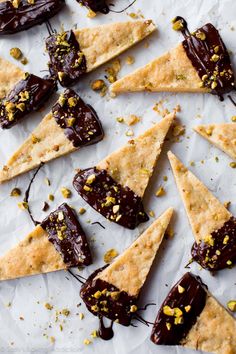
(45, 250)
(191, 317)
(113, 291)
(129, 271)
(223, 136)
(10, 74)
(115, 186)
(133, 164)
(171, 72)
(49, 139)
(205, 212)
(213, 225)
(103, 43)
(75, 53)
(201, 63)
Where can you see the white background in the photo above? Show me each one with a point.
(28, 295)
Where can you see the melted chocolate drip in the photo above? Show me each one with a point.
(67, 62)
(219, 250)
(209, 56)
(16, 19)
(80, 122)
(117, 203)
(67, 236)
(95, 5)
(105, 300)
(105, 333)
(185, 301)
(27, 194)
(28, 95)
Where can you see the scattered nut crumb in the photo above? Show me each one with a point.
(178, 130)
(82, 211)
(130, 60)
(232, 305)
(47, 182)
(160, 192)
(48, 306)
(132, 119)
(16, 53)
(113, 70)
(227, 204)
(232, 164)
(23, 205)
(129, 133)
(110, 255)
(99, 86)
(16, 192)
(152, 214)
(65, 192)
(87, 341)
(81, 316)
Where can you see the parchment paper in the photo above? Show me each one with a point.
(27, 296)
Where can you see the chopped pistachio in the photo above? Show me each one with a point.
(160, 192)
(65, 312)
(215, 57)
(99, 85)
(180, 77)
(129, 133)
(87, 188)
(133, 308)
(16, 192)
(71, 121)
(110, 255)
(232, 305)
(65, 192)
(168, 326)
(16, 53)
(48, 306)
(62, 100)
(23, 205)
(16, 3)
(177, 25)
(227, 204)
(130, 60)
(115, 209)
(232, 164)
(226, 239)
(82, 211)
(47, 182)
(165, 178)
(94, 334)
(179, 320)
(178, 130)
(233, 119)
(72, 101)
(34, 139)
(214, 85)
(181, 290)
(167, 310)
(120, 119)
(229, 262)
(24, 61)
(51, 197)
(152, 214)
(91, 14)
(87, 341)
(200, 35)
(61, 75)
(52, 339)
(91, 179)
(132, 119)
(187, 308)
(81, 316)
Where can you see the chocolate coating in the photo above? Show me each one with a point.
(80, 122)
(209, 56)
(67, 236)
(165, 330)
(95, 5)
(67, 62)
(218, 251)
(27, 15)
(28, 95)
(104, 299)
(117, 203)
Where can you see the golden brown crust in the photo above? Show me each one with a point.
(10, 74)
(46, 143)
(171, 72)
(102, 43)
(34, 255)
(214, 331)
(129, 271)
(222, 136)
(205, 212)
(133, 164)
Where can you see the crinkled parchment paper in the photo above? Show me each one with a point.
(27, 296)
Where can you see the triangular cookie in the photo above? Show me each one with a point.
(92, 47)
(200, 63)
(211, 222)
(73, 125)
(191, 317)
(57, 243)
(116, 185)
(222, 136)
(120, 283)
